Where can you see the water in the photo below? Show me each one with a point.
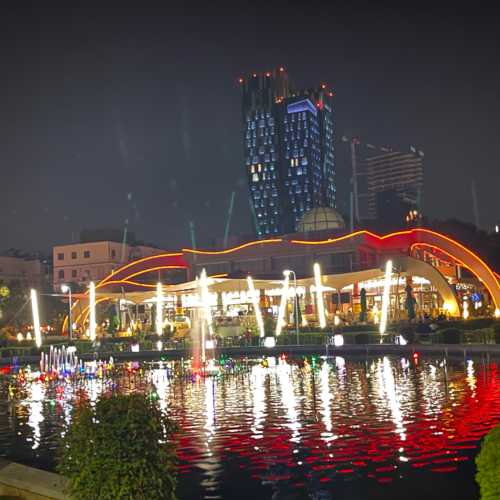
(345, 428)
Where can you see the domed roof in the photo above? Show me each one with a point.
(320, 219)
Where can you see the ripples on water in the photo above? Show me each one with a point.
(341, 428)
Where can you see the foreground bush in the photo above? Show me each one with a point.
(119, 449)
(488, 466)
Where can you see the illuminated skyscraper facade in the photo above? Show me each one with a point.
(288, 150)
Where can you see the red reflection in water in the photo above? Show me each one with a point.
(397, 421)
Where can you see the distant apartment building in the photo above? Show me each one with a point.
(28, 270)
(396, 172)
(384, 178)
(81, 263)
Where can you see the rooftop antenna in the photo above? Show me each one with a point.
(228, 220)
(474, 204)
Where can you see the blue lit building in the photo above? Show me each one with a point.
(288, 149)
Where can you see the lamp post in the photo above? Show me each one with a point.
(287, 272)
(67, 289)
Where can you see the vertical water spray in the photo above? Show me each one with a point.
(36, 318)
(256, 308)
(281, 312)
(385, 297)
(92, 324)
(159, 309)
(319, 295)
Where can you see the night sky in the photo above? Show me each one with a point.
(134, 112)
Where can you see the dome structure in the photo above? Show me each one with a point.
(320, 219)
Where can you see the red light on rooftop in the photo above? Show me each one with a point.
(240, 80)
(255, 75)
(323, 85)
(282, 69)
(331, 94)
(268, 74)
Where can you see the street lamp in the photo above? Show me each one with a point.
(286, 273)
(67, 289)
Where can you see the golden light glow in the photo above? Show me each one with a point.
(385, 296)
(319, 295)
(463, 264)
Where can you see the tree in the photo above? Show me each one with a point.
(14, 310)
(119, 449)
(488, 466)
(410, 303)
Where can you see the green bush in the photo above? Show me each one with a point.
(120, 448)
(488, 466)
(451, 336)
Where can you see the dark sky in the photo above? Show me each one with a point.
(109, 113)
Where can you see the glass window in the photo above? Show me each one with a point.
(113, 253)
(73, 273)
(61, 274)
(86, 254)
(73, 255)
(60, 256)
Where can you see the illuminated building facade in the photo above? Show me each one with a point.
(393, 175)
(288, 150)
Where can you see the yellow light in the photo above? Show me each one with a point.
(447, 307)
(497, 313)
(36, 318)
(336, 320)
(256, 308)
(281, 312)
(319, 296)
(159, 308)
(385, 296)
(92, 322)
(20, 337)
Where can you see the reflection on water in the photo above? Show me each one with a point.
(294, 429)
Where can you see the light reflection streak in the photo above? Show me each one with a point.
(258, 380)
(326, 398)
(288, 398)
(388, 387)
(35, 408)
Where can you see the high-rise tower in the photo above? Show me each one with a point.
(289, 152)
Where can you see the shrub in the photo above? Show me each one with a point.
(451, 336)
(119, 448)
(488, 465)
